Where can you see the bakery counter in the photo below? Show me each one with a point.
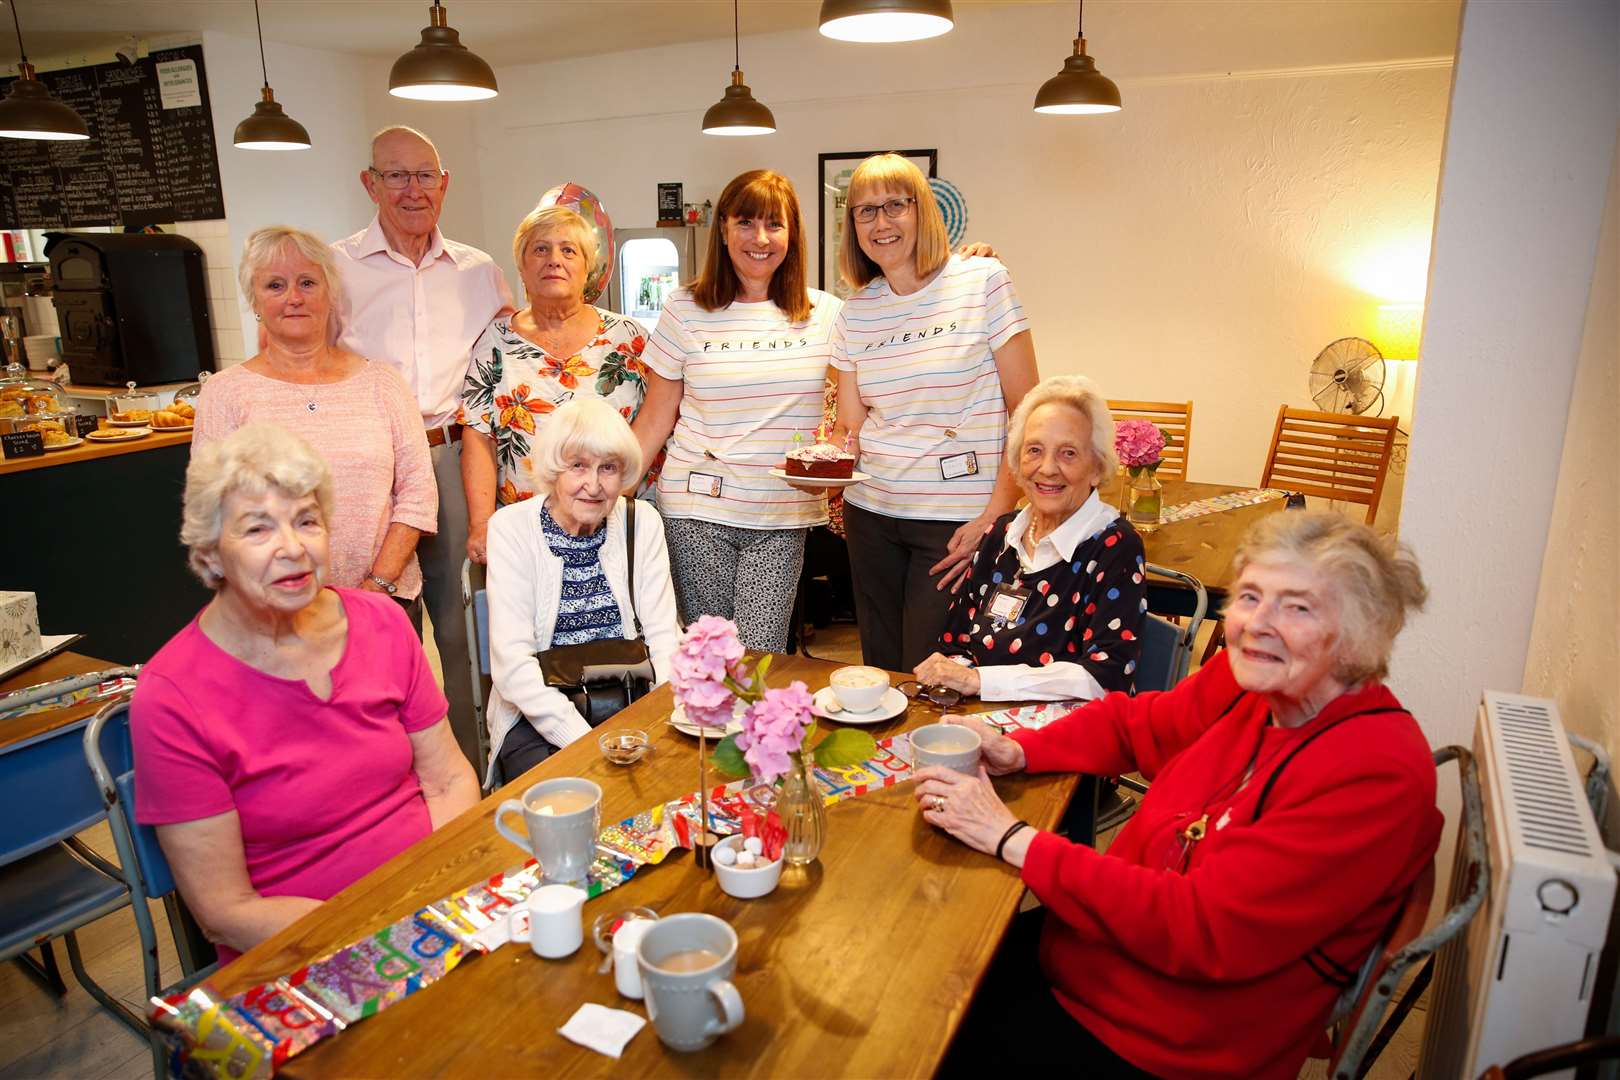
(91, 450)
(94, 531)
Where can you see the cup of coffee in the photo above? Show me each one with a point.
(950, 745)
(686, 966)
(563, 817)
(859, 688)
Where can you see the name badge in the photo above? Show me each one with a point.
(1007, 604)
(703, 484)
(959, 465)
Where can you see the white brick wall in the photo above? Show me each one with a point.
(224, 305)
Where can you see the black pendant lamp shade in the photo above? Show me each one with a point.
(1079, 89)
(737, 113)
(268, 128)
(885, 20)
(440, 67)
(29, 111)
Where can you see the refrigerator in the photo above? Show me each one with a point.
(649, 264)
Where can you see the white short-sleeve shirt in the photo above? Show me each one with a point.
(753, 381)
(936, 418)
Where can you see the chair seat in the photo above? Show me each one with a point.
(49, 893)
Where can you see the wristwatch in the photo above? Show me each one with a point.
(386, 586)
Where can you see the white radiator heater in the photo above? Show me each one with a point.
(1520, 977)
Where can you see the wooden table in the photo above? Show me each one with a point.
(862, 964)
(21, 728)
(1202, 546)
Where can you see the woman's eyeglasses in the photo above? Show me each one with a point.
(893, 209)
(943, 696)
(400, 179)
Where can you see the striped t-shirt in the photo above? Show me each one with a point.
(927, 374)
(753, 381)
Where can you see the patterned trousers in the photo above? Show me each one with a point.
(750, 576)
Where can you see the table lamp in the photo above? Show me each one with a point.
(1398, 335)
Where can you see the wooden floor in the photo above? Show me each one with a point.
(76, 1039)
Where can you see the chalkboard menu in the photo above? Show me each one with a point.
(150, 158)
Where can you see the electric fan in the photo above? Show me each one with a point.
(1348, 377)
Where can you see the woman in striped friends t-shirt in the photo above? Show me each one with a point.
(933, 352)
(737, 366)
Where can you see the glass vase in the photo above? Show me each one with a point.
(803, 812)
(1145, 499)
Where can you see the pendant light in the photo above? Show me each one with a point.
(737, 113)
(885, 20)
(268, 128)
(29, 111)
(441, 68)
(1079, 89)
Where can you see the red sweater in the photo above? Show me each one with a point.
(1206, 970)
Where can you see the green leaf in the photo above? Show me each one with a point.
(759, 672)
(843, 747)
(728, 759)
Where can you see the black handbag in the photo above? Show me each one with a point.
(602, 677)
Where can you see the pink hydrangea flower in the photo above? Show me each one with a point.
(709, 651)
(1138, 443)
(773, 729)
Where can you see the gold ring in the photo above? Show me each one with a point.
(939, 804)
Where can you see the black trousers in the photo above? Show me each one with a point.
(901, 614)
(1015, 1023)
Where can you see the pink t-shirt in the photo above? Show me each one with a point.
(325, 790)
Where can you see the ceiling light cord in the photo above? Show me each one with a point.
(1080, 21)
(736, 37)
(264, 69)
(22, 53)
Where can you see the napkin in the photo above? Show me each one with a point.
(599, 1028)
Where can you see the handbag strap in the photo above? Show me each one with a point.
(630, 560)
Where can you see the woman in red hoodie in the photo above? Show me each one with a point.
(1292, 806)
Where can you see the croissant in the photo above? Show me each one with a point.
(164, 418)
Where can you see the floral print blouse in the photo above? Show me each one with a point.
(513, 384)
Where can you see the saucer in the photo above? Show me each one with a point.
(679, 722)
(892, 705)
(822, 481)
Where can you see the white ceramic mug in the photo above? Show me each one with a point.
(551, 921)
(961, 756)
(690, 1009)
(563, 844)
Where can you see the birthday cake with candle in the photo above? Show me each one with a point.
(821, 460)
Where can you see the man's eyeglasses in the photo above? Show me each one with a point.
(893, 209)
(944, 696)
(400, 179)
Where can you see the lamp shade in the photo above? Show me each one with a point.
(885, 20)
(441, 68)
(737, 113)
(269, 128)
(1079, 88)
(29, 112)
(1399, 331)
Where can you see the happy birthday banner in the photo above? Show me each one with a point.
(249, 1036)
(1232, 500)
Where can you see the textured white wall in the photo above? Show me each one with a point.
(1529, 145)
(1574, 642)
(1205, 243)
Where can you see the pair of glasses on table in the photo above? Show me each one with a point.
(943, 696)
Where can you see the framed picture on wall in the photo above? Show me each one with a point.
(834, 171)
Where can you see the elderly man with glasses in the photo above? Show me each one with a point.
(418, 301)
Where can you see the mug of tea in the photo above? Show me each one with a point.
(562, 817)
(950, 745)
(859, 688)
(686, 965)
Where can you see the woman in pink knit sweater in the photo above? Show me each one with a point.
(357, 412)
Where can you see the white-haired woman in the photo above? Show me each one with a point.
(291, 738)
(558, 575)
(932, 351)
(358, 411)
(1292, 808)
(528, 363)
(1056, 591)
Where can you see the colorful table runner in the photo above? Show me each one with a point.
(250, 1035)
(1232, 500)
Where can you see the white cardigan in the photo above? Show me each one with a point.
(525, 590)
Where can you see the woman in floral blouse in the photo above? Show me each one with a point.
(526, 364)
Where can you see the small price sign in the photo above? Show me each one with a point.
(19, 444)
(80, 426)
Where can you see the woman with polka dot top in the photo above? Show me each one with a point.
(1056, 593)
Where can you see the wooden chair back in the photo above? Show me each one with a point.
(1404, 929)
(1175, 417)
(1331, 455)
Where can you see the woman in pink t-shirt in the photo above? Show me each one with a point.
(291, 738)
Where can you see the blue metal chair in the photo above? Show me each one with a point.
(106, 748)
(52, 883)
(475, 610)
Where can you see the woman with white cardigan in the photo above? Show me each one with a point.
(558, 576)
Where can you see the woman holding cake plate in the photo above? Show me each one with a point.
(738, 368)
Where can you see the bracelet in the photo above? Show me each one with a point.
(1008, 835)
